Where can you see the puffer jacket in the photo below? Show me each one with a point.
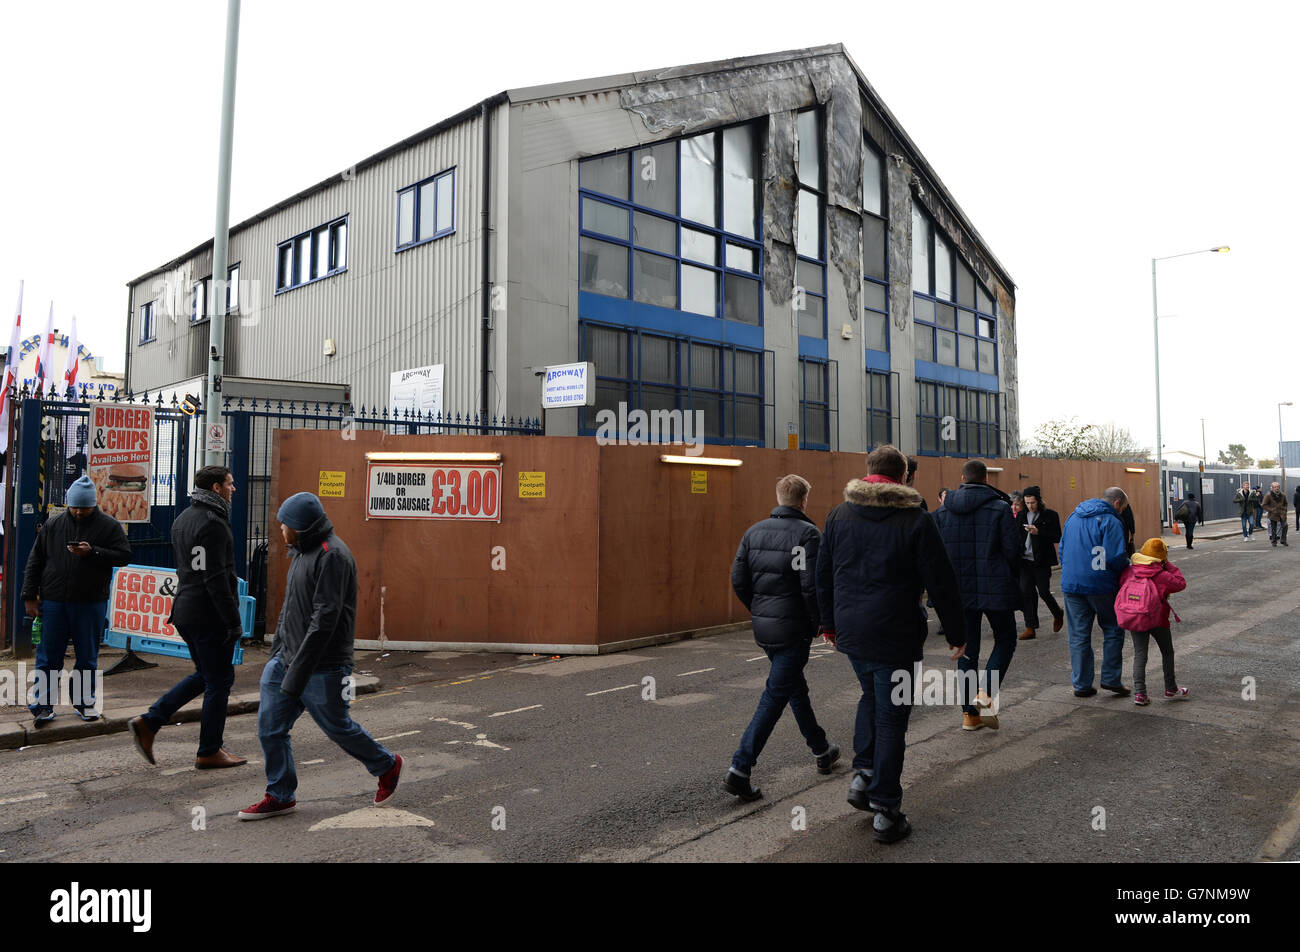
(1093, 525)
(1275, 506)
(781, 598)
(317, 622)
(985, 546)
(879, 551)
(1166, 577)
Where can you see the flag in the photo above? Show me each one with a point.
(12, 356)
(43, 356)
(70, 369)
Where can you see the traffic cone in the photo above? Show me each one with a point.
(1176, 532)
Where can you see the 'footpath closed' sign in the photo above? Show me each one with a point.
(433, 491)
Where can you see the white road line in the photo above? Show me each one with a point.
(701, 671)
(757, 658)
(394, 736)
(308, 763)
(607, 690)
(531, 707)
(25, 797)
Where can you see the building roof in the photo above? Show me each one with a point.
(578, 87)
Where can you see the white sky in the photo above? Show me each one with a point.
(1081, 143)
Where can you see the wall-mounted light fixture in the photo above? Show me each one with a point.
(434, 457)
(994, 469)
(702, 460)
(1134, 469)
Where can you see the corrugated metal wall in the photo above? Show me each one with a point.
(389, 311)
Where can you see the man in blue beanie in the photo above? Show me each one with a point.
(311, 660)
(67, 580)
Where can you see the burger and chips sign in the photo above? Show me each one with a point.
(119, 459)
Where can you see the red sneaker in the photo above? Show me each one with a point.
(269, 806)
(388, 783)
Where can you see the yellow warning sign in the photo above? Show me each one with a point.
(331, 483)
(792, 441)
(699, 480)
(1071, 482)
(532, 485)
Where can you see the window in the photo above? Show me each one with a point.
(201, 296)
(313, 255)
(810, 269)
(676, 225)
(814, 403)
(875, 265)
(426, 210)
(956, 317)
(648, 371)
(957, 421)
(147, 329)
(879, 411)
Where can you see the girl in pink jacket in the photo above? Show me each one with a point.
(1142, 606)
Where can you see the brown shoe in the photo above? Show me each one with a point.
(220, 759)
(143, 738)
(1028, 633)
(1057, 622)
(971, 722)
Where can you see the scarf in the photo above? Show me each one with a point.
(215, 500)
(881, 479)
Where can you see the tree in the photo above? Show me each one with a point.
(1236, 456)
(1064, 439)
(1266, 463)
(1115, 444)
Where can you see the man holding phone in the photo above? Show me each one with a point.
(68, 574)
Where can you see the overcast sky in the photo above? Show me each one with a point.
(1081, 143)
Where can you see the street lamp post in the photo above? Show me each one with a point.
(1281, 461)
(1155, 324)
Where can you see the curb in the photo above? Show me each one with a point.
(14, 736)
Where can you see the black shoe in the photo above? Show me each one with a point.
(1117, 689)
(890, 826)
(825, 760)
(1086, 692)
(858, 793)
(739, 786)
(42, 715)
(86, 713)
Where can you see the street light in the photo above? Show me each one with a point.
(1155, 324)
(1281, 462)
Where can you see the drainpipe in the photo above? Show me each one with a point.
(486, 292)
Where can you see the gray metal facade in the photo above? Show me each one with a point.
(391, 310)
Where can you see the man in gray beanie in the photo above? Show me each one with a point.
(311, 660)
(67, 580)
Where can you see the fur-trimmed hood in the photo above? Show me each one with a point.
(888, 495)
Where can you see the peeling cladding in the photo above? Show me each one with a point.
(778, 208)
(898, 183)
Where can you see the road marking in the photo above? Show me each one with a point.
(25, 797)
(395, 736)
(365, 697)
(447, 720)
(607, 690)
(701, 671)
(531, 707)
(466, 681)
(371, 818)
(757, 658)
(1280, 840)
(175, 770)
(308, 763)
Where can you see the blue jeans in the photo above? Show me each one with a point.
(324, 700)
(785, 685)
(1246, 527)
(1003, 623)
(880, 732)
(82, 623)
(213, 677)
(1080, 610)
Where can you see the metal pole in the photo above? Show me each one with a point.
(1204, 458)
(220, 250)
(1280, 461)
(1160, 474)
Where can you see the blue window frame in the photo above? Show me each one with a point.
(426, 210)
(875, 251)
(957, 421)
(955, 316)
(649, 371)
(201, 296)
(810, 233)
(676, 225)
(818, 382)
(312, 255)
(148, 330)
(879, 410)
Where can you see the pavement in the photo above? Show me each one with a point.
(621, 757)
(1225, 529)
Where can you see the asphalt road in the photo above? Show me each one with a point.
(562, 760)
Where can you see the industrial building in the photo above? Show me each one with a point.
(757, 239)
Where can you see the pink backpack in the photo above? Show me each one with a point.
(1138, 604)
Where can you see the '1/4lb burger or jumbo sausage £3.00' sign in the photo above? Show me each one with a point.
(119, 459)
(431, 491)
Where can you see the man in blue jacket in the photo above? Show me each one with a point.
(984, 545)
(775, 576)
(1092, 558)
(878, 553)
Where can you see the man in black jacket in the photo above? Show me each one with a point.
(878, 553)
(205, 614)
(985, 546)
(67, 580)
(311, 660)
(1189, 514)
(775, 576)
(1296, 502)
(1042, 530)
